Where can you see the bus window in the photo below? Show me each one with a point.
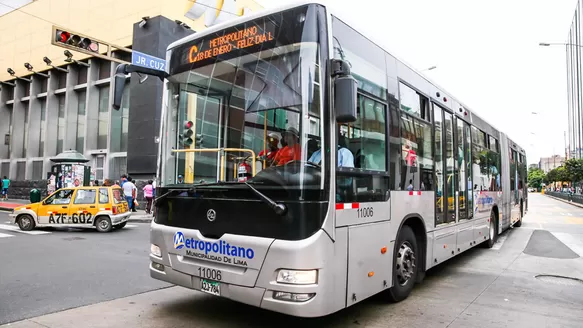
(416, 151)
(362, 147)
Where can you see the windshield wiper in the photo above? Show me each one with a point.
(279, 209)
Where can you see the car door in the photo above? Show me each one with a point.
(55, 208)
(83, 206)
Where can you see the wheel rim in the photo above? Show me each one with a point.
(26, 222)
(491, 229)
(405, 263)
(103, 224)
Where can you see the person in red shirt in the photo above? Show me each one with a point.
(268, 155)
(291, 152)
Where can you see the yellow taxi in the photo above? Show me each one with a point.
(103, 208)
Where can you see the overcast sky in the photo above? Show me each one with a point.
(487, 55)
(7, 6)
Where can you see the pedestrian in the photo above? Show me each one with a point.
(5, 185)
(128, 192)
(117, 184)
(106, 183)
(149, 195)
(134, 194)
(96, 183)
(123, 179)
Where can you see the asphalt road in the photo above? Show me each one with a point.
(498, 287)
(54, 270)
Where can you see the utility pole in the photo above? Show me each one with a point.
(565, 140)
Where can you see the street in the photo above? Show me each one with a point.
(102, 280)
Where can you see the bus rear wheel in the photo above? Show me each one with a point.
(405, 267)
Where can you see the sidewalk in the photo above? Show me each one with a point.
(10, 204)
(565, 201)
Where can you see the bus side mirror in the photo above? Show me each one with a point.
(119, 81)
(345, 92)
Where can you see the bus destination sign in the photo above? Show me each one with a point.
(233, 42)
(224, 44)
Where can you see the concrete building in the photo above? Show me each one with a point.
(48, 109)
(533, 166)
(575, 83)
(548, 163)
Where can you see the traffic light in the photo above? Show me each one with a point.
(186, 136)
(76, 40)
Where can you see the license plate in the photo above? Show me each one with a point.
(210, 287)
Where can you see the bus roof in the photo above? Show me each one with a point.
(334, 10)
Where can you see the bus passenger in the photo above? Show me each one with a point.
(291, 152)
(268, 155)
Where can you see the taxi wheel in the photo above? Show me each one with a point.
(25, 222)
(103, 224)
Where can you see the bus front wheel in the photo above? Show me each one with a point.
(404, 265)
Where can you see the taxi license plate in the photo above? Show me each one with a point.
(210, 287)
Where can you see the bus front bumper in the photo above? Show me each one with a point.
(255, 296)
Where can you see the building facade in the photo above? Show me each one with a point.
(574, 53)
(48, 109)
(548, 163)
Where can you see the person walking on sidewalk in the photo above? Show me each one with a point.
(128, 191)
(5, 185)
(149, 195)
(134, 194)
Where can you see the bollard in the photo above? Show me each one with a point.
(34, 195)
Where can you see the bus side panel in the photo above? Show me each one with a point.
(369, 260)
(445, 243)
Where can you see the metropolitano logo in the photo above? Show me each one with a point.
(178, 240)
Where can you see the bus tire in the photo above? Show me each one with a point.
(103, 224)
(25, 222)
(492, 231)
(405, 267)
(519, 222)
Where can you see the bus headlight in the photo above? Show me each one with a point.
(297, 277)
(155, 250)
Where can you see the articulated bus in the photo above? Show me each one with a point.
(379, 174)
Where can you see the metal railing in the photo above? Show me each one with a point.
(575, 198)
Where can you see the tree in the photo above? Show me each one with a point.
(558, 174)
(535, 177)
(574, 168)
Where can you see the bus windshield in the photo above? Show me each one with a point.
(248, 92)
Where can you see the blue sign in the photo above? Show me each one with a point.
(141, 59)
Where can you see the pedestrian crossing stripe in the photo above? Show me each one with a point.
(5, 235)
(17, 229)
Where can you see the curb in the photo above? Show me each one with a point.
(565, 201)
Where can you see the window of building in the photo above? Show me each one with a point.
(82, 74)
(413, 103)
(104, 68)
(99, 162)
(79, 144)
(119, 124)
(417, 154)
(5, 169)
(362, 165)
(117, 167)
(103, 117)
(61, 124)
(26, 130)
(43, 84)
(61, 79)
(26, 88)
(43, 117)
(20, 171)
(37, 170)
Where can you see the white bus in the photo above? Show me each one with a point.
(375, 184)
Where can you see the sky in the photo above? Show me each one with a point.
(487, 55)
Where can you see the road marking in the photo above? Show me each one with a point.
(498, 244)
(574, 220)
(569, 214)
(16, 229)
(576, 245)
(5, 235)
(131, 226)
